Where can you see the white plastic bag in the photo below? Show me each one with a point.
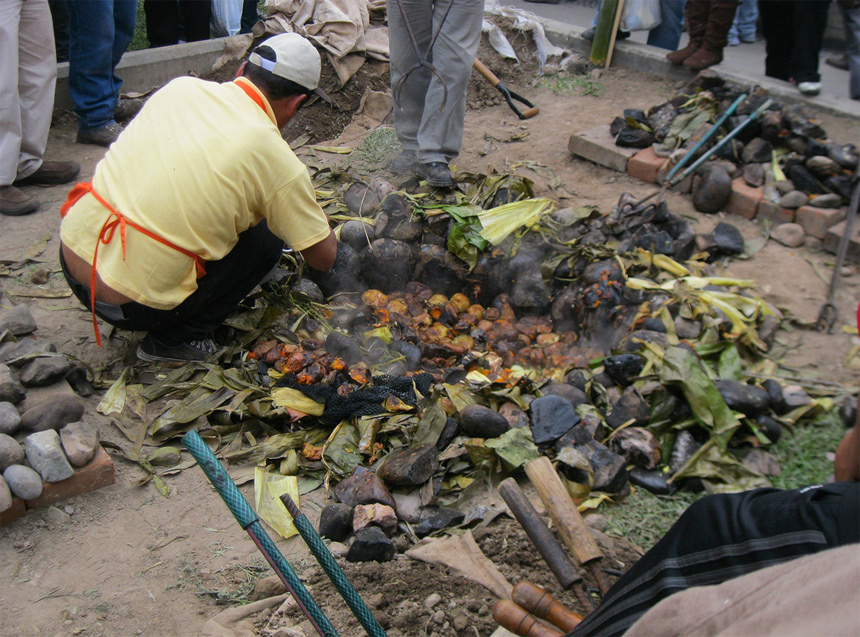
(226, 18)
(640, 15)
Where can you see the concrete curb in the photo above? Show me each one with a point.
(641, 57)
(149, 68)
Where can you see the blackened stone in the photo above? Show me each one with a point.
(757, 150)
(795, 396)
(655, 324)
(397, 205)
(371, 545)
(580, 434)
(388, 264)
(577, 379)
(848, 411)
(800, 119)
(435, 518)
(682, 450)
(760, 461)
(685, 245)
(342, 346)
(77, 379)
(841, 185)
(363, 487)
(639, 446)
(747, 399)
(308, 289)
(771, 127)
(551, 418)
(20, 353)
(845, 156)
(573, 395)
(411, 354)
(336, 522)
(610, 474)
(410, 466)
(478, 421)
(631, 405)
(515, 415)
(357, 234)
(449, 432)
(635, 114)
(573, 464)
(404, 230)
(530, 293)
(733, 151)
(53, 414)
(604, 379)
(654, 481)
(713, 191)
(769, 427)
(617, 125)
(804, 180)
(754, 175)
(440, 269)
(630, 137)
(659, 242)
(775, 396)
(606, 270)
(44, 371)
(343, 276)
(623, 368)
(360, 200)
(821, 166)
(728, 239)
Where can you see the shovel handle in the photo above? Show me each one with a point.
(519, 621)
(542, 604)
(481, 68)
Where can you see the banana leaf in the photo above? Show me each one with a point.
(431, 426)
(720, 471)
(114, 398)
(340, 453)
(515, 447)
(179, 418)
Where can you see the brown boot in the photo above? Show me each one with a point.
(720, 18)
(14, 203)
(51, 173)
(696, 17)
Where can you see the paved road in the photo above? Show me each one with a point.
(746, 59)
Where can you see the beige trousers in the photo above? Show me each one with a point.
(28, 75)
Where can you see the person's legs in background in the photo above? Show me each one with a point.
(777, 24)
(744, 25)
(696, 17)
(249, 15)
(851, 20)
(99, 34)
(720, 16)
(162, 22)
(195, 19)
(60, 18)
(667, 34)
(810, 20)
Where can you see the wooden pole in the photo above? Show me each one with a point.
(618, 14)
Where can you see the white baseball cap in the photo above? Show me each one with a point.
(296, 59)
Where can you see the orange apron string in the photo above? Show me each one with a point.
(106, 236)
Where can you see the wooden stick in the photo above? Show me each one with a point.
(618, 13)
(543, 605)
(519, 621)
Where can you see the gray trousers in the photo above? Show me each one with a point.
(435, 135)
(28, 74)
(851, 19)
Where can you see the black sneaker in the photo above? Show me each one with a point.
(437, 174)
(152, 350)
(588, 34)
(404, 162)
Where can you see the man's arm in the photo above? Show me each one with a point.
(321, 256)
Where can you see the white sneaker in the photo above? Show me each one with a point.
(809, 88)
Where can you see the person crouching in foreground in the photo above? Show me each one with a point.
(190, 208)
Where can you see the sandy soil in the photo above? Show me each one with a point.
(129, 561)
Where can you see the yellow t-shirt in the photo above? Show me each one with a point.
(201, 163)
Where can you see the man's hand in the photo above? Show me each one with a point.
(321, 256)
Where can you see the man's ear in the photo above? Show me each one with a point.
(241, 68)
(295, 101)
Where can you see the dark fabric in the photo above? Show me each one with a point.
(724, 536)
(168, 21)
(720, 18)
(218, 293)
(60, 20)
(793, 31)
(696, 15)
(249, 16)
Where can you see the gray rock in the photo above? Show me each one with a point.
(713, 190)
(638, 446)
(727, 239)
(829, 200)
(11, 391)
(754, 175)
(16, 354)
(45, 454)
(80, 442)
(551, 418)
(404, 230)
(382, 187)
(58, 516)
(631, 405)
(53, 415)
(784, 187)
(309, 289)
(478, 421)
(410, 466)
(757, 150)
(789, 234)
(575, 64)
(23, 481)
(18, 320)
(11, 452)
(10, 419)
(361, 200)
(371, 545)
(821, 166)
(363, 487)
(5, 495)
(687, 328)
(44, 371)
(409, 507)
(793, 199)
(795, 396)
(357, 234)
(435, 518)
(336, 522)
(574, 395)
(610, 473)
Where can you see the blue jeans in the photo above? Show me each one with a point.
(744, 25)
(99, 33)
(667, 34)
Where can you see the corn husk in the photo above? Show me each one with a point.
(500, 222)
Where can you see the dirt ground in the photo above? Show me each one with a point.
(129, 561)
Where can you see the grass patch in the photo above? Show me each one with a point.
(562, 84)
(644, 518)
(803, 453)
(230, 585)
(377, 147)
(139, 40)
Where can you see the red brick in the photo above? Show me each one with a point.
(834, 236)
(598, 145)
(816, 221)
(767, 210)
(645, 165)
(98, 473)
(17, 511)
(744, 199)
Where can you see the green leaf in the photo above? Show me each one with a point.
(199, 403)
(730, 364)
(341, 452)
(431, 426)
(114, 398)
(515, 447)
(720, 471)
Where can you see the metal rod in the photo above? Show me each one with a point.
(335, 574)
(707, 136)
(249, 521)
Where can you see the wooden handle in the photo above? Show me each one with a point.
(517, 620)
(540, 535)
(563, 512)
(487, 73)
(543, 605)
(530, 112)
